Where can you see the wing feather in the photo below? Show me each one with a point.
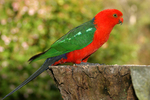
(75, 39)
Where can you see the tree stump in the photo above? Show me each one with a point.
(99, 82)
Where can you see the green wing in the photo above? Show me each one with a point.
(75, 39)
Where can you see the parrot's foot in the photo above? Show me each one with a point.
(87, 63)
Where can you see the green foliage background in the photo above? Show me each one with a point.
(28, 27)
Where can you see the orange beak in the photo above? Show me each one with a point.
(120, 21)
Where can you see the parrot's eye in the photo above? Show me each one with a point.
(115, 15)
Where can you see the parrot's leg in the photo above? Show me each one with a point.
(85, 59)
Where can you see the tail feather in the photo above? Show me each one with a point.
(47, 63)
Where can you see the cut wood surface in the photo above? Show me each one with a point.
(99, 82)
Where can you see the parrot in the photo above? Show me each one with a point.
(78, 44)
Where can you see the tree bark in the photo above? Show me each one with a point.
(99, 82)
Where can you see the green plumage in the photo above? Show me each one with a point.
(75, 39)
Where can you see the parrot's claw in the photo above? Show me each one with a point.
(87, 63)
